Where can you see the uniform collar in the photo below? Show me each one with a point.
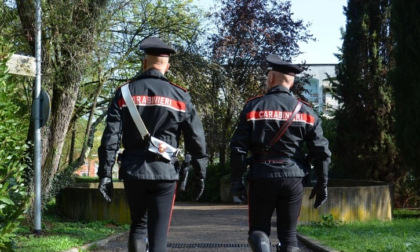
(279, 89)
(154, 73)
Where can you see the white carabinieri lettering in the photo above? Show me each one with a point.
(279, 116)
(162, 101)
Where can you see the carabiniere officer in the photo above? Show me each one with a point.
(275, 176)
(149, 180)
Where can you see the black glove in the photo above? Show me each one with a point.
(320, 190)
(183, 173)
(198, 188)
(237, 189)
(106, 188)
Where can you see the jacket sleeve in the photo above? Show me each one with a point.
(239, 147)
(111, 139)
(319, 151)
(195, 142)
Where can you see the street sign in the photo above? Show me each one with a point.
(21, 65)
(45, 109)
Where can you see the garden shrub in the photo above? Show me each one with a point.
(211, 192)
(13, 131)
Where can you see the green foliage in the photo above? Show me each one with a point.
(404, 213)
(366, 146)
(87, 180)
(247, 31)
(398, 235)
(405, 80)
(211, 192)
(328, 221)
(13, 130)
(116, 53)
(329, 127)
(407, 191)
(60, 234)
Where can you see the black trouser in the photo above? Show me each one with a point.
(282, 194)
(150, 203)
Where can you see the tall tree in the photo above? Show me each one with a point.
(68, 35)
(247, 31)
(406, 79)
(365, 146)
(117, 57)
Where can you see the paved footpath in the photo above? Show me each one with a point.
(202, 228)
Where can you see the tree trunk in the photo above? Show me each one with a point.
(64, 60)
(222, 158)
(72, 144)
(61, 111)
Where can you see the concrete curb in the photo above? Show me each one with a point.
(102, 242)
(314, 244)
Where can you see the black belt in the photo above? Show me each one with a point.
(272, 158)
(135, 152)
(144, 153)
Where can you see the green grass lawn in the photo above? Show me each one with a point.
(400, 234)
(59, 234)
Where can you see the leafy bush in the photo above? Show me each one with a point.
(329, 127)
(211, 192)
(407, 193)
(13, 130)
(328, 221)
(87, 180)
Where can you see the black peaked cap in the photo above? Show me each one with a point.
(155, 46)
(279, 65)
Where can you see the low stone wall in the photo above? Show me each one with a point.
(350, 200)
(347, 201)
(83, 201)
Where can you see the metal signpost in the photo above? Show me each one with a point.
(30, 66)
(37, 118)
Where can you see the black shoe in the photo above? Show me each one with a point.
(138, 245)
(258, 242)
(286, 248)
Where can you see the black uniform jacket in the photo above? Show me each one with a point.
(166, 111)
(260, 120)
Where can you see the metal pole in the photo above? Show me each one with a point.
(37, 121)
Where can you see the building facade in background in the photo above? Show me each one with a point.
(88, 169)
(319, 88)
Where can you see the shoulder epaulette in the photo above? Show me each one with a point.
(305, 102)
(253, 98)
(178, 86)
(128, 82)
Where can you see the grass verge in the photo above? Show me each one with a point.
(59, 234)
(399, 235)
